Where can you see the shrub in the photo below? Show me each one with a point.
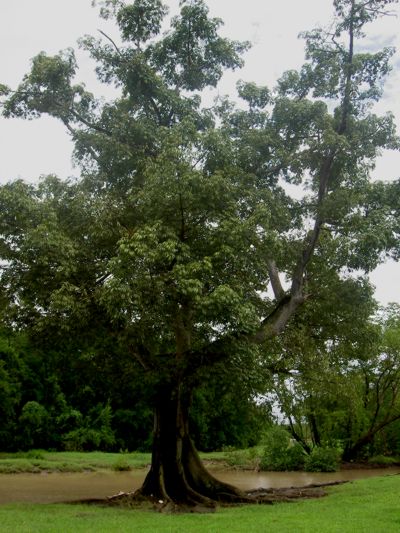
(384, 460)
(296, 457)
(95, 432)
(35, 454)
(34, 423)
(121, 465)
(280, 453)
(322, 459)
(247, 459)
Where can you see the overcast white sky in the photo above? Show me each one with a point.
(29, 149)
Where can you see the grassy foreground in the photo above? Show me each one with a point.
(370, 505)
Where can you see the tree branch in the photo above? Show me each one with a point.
(111, 41)
(277, 288)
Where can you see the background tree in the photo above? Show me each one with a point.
(182, 217)
(377, 378)
(318, 352)
(343, 391)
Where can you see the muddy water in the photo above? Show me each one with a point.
(252, 480)
(53, 487)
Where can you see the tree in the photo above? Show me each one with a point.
(182, 217)
(10, 390)
(322, 351)
(225, 413)
(377, 379)
(344, 391)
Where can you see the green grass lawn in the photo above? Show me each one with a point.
(39, 460)
(370, 506)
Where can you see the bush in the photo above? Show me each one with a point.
(322, 459)
(35, 454)
(34, 423)
(95, 432)
(121, 465)
(384, 460)
(246, 459)
(296, 457)
(280, 453)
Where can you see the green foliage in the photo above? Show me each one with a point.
(141, 20)
(17, 466)
(384, 460)
(133, 427)
(62, 386)
(280, 453)
(49, 75)
(225, 415)
(34, 420)
(155, 267)
(35, 454)
(93, 433)
(193, 55)
(4, 90)
(13, 372)
(345, 387)
(248, 459)
(121, 465)
(322, 459)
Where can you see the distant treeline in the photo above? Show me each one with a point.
(96, 399)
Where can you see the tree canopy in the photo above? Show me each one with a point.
(181, 243)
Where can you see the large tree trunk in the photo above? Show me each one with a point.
(177, 474)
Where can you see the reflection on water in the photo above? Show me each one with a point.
(54, 487)
(254, 480)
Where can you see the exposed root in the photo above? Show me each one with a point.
(258, 496)
(288, 494)
(167, 505)
(178, 481)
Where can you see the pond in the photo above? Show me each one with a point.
(57, 487)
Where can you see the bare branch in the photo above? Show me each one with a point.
(111, 41)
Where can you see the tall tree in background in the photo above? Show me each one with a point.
(344, 383)
(182, 218)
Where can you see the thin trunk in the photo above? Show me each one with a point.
(298, 438)
(314, 430)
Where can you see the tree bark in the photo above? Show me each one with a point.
(177, 474)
